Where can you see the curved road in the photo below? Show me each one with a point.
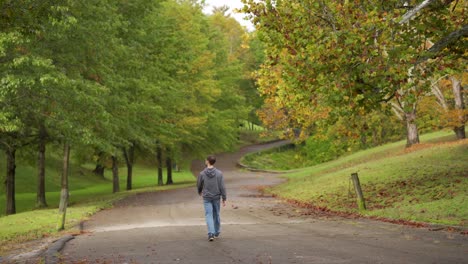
(169, 227)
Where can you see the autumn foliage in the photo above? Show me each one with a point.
(328, 60)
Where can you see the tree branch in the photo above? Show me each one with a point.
(452, 37)
(414, 11)
(444, 42)
(438, 93)
(397, 110)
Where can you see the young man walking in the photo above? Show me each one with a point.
(210, 185)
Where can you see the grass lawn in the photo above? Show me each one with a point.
(88, 194)
(276, 159)
(427, 183)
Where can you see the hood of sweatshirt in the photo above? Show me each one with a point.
(210, 172)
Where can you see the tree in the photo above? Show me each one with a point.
(86, 56)
(374, 59)
(29, 83)
(140, 80)
(199, 82)
(117, 76)
(252, 59)
(221, 10)
(449, 94)
(461, 113)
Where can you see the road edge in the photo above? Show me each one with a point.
(52, 254)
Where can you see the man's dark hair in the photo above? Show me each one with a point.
(211, 159)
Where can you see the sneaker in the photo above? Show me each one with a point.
(210, 238)
(216, 236)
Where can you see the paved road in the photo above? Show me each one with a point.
(169, 227)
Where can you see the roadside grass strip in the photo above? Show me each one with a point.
(31, 224)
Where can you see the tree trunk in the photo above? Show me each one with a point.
(169, 170)
(375, 140)
(460, 132)
(64, 192)
(115, 175)
(41, 196)
(363, 139)
(412, 135)
(10, 181)
(129, 159)
(99, 170)
(460, 107)
(160, 169)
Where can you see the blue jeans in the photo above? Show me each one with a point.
(213, 221)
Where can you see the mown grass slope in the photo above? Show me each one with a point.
(427, 183)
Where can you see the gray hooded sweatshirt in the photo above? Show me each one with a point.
(210, 183)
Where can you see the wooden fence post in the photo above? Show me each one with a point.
(357, 187)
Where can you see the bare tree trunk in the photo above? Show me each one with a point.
(169, 169)
(411, 129)
(459, 107)
(160, 169)
(115, 175)
(64, 192)
(10, 180)
(41, 192)
(412, 135)
(129, 159)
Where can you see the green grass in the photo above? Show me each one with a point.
(88, 194)
(247, 126)
(35, 224)
(283, 158)
(276, 159)
(83, 185)
(429, 184)
(292, 158)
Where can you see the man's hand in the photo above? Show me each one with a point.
(224, 203)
